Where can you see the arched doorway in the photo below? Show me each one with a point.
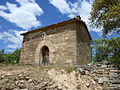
(45, 55)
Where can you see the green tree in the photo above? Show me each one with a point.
(107, 49)
(106, 14)
(16, 55)
(100, 49)
(10, 58)
(1, 55)
(114, 46)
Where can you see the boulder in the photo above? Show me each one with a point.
(81, 70)
(103, 66)
(100, 80)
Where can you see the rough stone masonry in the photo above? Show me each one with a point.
(66, 42)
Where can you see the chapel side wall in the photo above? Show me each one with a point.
(61, 42)
(83, 45)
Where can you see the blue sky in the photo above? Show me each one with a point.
(18, 16)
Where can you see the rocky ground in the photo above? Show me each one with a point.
(44, 78)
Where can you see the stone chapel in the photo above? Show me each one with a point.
(66, 42)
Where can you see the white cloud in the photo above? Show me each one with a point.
(12, 38)
(80, 7)
(62, 5)
(23, 16)
(3, 7)
(95, 29)
(1, 36)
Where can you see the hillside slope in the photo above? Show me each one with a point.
(44, 78)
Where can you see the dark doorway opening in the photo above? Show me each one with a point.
(45, 55)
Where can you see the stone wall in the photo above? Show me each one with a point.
(61, 42)
(107, 75)
(83, 44)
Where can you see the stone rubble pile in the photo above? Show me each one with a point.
(73, 80)
(99, 76)
(54, 80)
(24, 82)
(107, 75)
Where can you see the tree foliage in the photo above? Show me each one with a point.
(105, 49)
(100, 50)
(106, 14)
(1, 55)
(10, 58)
